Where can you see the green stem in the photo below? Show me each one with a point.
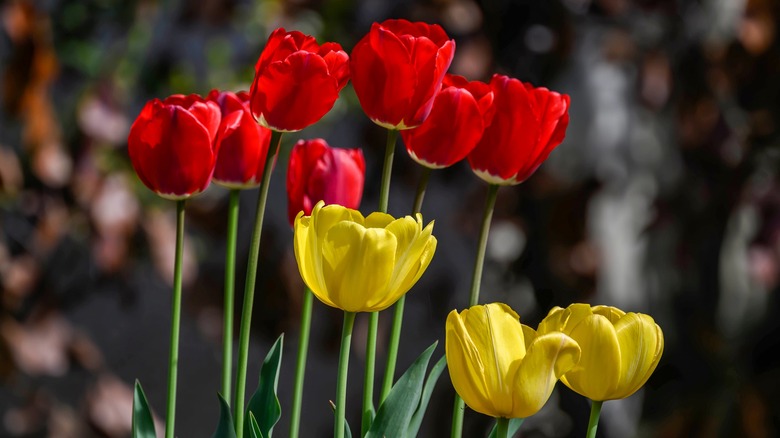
(300, 366)
(595, 413)
(249, 287)
(502, 427)
(368, 377)
(173, 361)
(373, 317)
(341, 386)
(476, 280)
(398, 315)
(230, 280)
(387, 170)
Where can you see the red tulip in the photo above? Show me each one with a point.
(297, 81)
(318, 172)
(397, 70)
(460, 113)
(242, 143)
(527, 125)
(171, 145)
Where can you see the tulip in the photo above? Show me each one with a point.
(527, 125)
(619, 350)
(501, 367)
(171, 145)
(242, 143)
(455, 125)
(297, 81)
(397, 69)
(318, 172)
(360, 264)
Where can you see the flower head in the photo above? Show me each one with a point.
(397, 69)
(500, 367)
(242, 143)
(527, 125)
(360, 264)
(318, 172)
(171, 145)
(460, 113)
(619, 350)
(297, 81)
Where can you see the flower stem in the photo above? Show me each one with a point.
(249, 287)
(173, 361)
(476, 280)
(341, 386)
(300, 366)
(368, 377)
(595, 413)
(398, 315)
(230, 280)
(373, 317)
(387, 170)
(502, 427)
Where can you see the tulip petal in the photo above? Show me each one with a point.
(308, 259)
(640, 349)
(283, 94)
(357, 264)
(493, 329)
(598, 371)
(548, 358)
(413, 259)
(466, 367)
(378, 219)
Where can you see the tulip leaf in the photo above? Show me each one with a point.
(143, 422)
(395, 414)
(225, 427)
(430, 383)
(514, 426)
(264, 404)
(254, 429)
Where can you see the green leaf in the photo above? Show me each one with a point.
(143, 422)
(433, 377)
(395, 414)
(264, 403)
(514, 426)
(225, 427)
(254, 429)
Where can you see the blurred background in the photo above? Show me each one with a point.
(663, 199)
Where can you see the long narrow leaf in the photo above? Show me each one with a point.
(430, 383)
(143, 422)
(254, 429)
(395, 414)
(264, 403)
(225, 427)
(514, 426)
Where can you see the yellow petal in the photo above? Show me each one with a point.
(308, 257)
(357, 265)
(378, 219)
(327, 216)
(497, 334)
(613, 314)
(416, 253)
(641, 344)
(465, 365)
(597, 373)
(549, 357)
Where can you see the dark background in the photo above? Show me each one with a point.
(663, 199)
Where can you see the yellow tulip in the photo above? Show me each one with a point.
(500, 367)
(360, 264)
(619, 350)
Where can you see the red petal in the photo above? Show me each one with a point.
(452, 130)
(243, 146)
